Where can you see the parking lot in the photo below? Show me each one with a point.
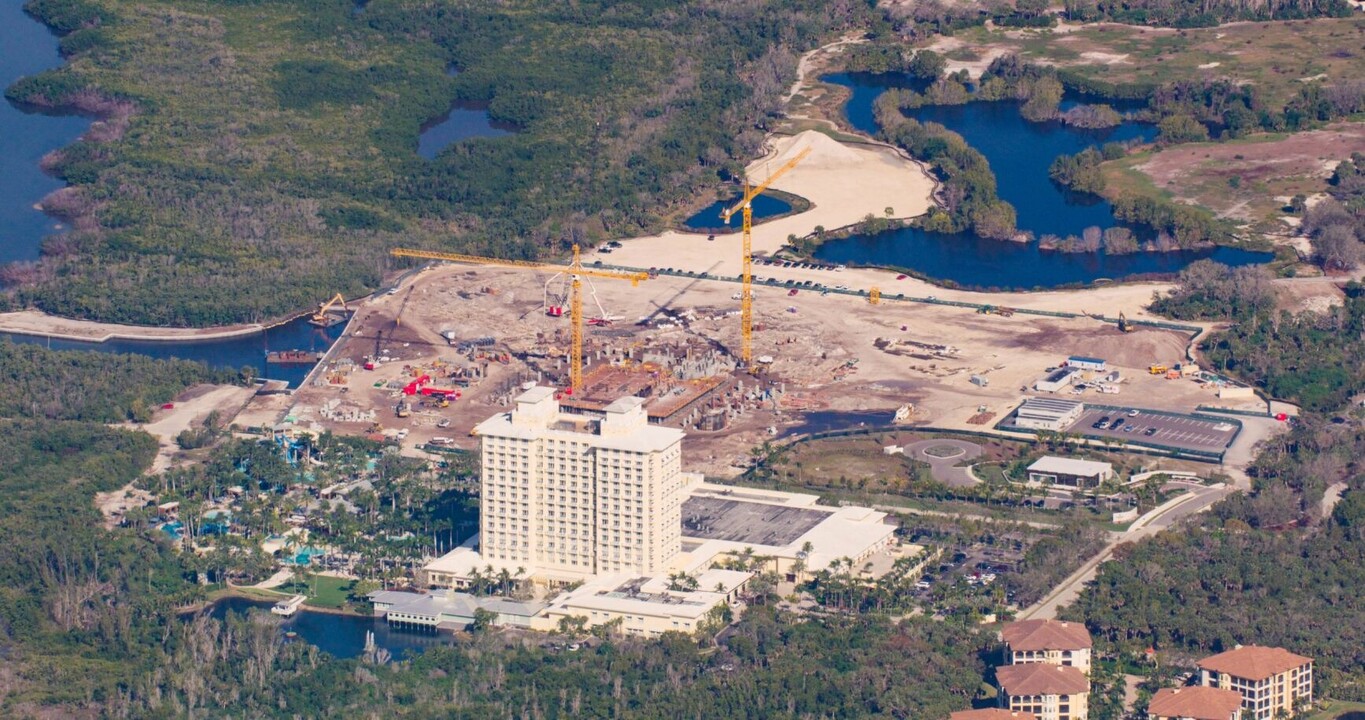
(1165, 429)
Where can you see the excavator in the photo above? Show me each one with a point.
(1124, 325)
(326, 315)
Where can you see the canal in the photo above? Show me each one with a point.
(229, 353)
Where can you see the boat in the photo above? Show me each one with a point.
(288, 607)
(293, 357)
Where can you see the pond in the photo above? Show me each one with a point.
(462, 122)
(26, 135)
(229, 353)
(341, 636)
(709, 220)
(827, 420)
(1019, 152)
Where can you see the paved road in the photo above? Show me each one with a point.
(944, 469)
(1156, 520)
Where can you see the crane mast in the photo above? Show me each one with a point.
(576, 273)
(746, 210)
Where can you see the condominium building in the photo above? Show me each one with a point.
(1270, 680)
(992, 714)
(1047, 641)
(1195, 703)
(569, 496)
(1050, 692)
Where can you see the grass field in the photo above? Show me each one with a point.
(322, 591)
(1276, 57)
(1337, 708)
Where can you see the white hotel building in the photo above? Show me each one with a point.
(571, 496)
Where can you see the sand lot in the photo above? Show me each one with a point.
(843, 182)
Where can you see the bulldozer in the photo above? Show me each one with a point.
(1157, 369)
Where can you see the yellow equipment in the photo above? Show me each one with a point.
(575, 270)
(321, 317)
(874, 296)
(746, 302)
(1157, 369)
(1124, 325)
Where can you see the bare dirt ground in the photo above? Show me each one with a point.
(1265, 169)
(191, 407)
(1312, 297)
(822, 349)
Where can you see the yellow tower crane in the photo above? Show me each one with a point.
(576, 272)
(746, 302)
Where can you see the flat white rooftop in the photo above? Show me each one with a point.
(648, 438)
(1070, 466)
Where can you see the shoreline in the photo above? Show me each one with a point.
(233, 591)
(36, 323)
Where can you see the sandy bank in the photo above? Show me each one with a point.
(844, 183)
(33, 322)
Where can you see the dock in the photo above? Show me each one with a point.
(288, 607)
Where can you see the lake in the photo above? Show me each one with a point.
(709, 220)
(341, 636)
(1019, 153)
(26, 135)
(230, 353)
(462, 122)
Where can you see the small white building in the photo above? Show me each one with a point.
(1059, 379)
(1048, 414)
(1070, 471)
(1087, 363)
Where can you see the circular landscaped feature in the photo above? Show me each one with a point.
(944, 451)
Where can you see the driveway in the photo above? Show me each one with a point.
(1156, 520)
(944, 459)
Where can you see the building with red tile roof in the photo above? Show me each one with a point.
(1269, 679)
(1195, 703)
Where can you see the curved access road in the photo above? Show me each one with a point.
(945, 469)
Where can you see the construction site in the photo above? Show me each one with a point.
(455, 343)
(734, 345)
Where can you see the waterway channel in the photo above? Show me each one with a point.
(342, 636)
(26, 135)
(230, 353)
(1019, 152)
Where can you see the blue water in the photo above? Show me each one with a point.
(1019, 153)
(463, 121)
(828, 420)
(709, 220)
(342, 636)
(231, 353)
(26, 135)
(866, 87)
